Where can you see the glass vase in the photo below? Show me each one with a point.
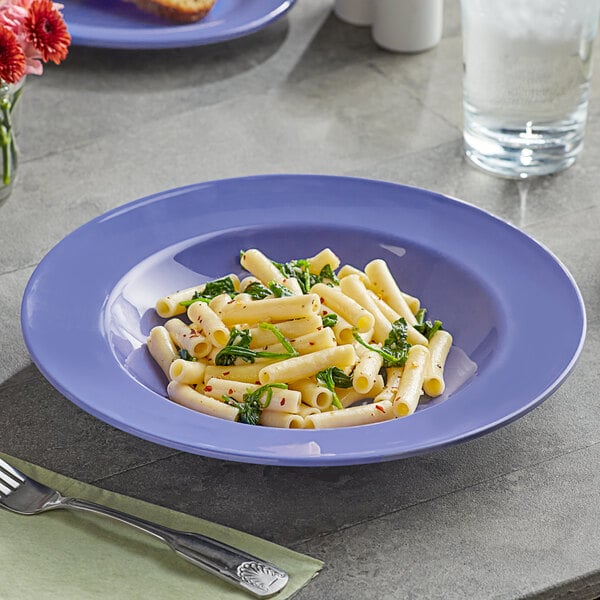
(9, 121)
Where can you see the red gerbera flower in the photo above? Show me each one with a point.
(47, 31)
(12, 57)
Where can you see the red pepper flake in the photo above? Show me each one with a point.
(322, 300)
(226, 372)
(282, 402)
(208, 388)
(380, 408)
(257, 382)
(311, 343)
(325, 312)
(319, 327)
(230, 391)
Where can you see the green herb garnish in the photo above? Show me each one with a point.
(258, 291)
(238, 345)
(250, 409)
(211, 290)
(395, 348)
(427, 328)
(197, 297)
(331, 378)
(279, 290)
(327, 274)
(299, 269)
(329, 320)
(183, 353)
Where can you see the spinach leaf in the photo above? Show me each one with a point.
(427, 328)
(395, 348)
(252, 405)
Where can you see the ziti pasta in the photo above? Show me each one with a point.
(309, 343)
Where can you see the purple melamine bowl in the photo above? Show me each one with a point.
(88, 307)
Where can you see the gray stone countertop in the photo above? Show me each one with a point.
(513, 514)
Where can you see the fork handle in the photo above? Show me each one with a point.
(243, 570)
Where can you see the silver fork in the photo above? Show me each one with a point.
(25, 496)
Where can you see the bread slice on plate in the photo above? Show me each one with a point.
(181, 11)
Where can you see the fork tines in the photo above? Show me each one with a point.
(10, 478)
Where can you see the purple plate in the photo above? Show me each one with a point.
(88, 308)
(119, 24)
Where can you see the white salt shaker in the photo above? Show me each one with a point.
(355, 12)
(407, 25)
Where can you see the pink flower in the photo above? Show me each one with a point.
(13, 17)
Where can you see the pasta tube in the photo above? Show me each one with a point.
(187, 338)
(290, 329)
(270, 309)
(268, 418)
(169, 306)
(311, 342)
(207, 320)
(302, 367)
(349, 417)
(379, 275)
(244, 283)
(187, 371)
(355, 288)
(412, 335)
(439, 346)
(349, 396)
(248, 373)
(313, 394)
(413, 303)
(218, 302)
(187, 396)
(342, 329)
(366, 372)
(411, 382)
(287, 401)
(344, 306)
(350, 270)
(161, 348)
(321, 259)
(306, 410)
(260, 266)
(391, 387)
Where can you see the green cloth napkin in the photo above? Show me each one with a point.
(68, 554)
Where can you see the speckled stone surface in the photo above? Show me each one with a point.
(514, 514)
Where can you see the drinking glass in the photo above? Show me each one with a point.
(527, 69)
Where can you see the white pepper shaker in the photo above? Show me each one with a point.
(407, 25)
(355, 12)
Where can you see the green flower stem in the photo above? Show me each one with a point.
(7, 141)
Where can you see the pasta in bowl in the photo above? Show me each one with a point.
(308, 343)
